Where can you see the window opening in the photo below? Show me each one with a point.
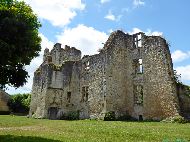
(85, 93)
(138, 41)
(140, 118)
(87, 66)
(69, 97)
(138, 66)
(139, 37)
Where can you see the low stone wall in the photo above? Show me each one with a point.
(4, 98)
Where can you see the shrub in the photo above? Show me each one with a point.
(109, 116)
(20, 103)
(175, 119)
(126, 117)
(72, 115)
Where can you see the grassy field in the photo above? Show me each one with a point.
(22, 129)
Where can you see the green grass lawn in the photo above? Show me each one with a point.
(22, 129)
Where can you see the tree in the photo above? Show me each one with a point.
(19, 41)
(177, 77)
(20, 103)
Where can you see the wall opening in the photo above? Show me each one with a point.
(69, 97)
(86, 66)
(84, 93)
(52, 113)
(140, 118)
(138, 94)
(138, 66)
(138, 40)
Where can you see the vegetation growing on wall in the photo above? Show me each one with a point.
(55, 67)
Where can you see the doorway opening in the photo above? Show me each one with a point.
(140, 118)
(52, 113)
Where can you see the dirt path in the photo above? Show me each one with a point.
(24, 128)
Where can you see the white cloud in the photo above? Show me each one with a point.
(110, 31)
(184, 71)
(148, 32)
(58, 12)
(104, 1)
(110, 16)
(137, 3)
(153, 33)
(87, 39)
(178, 56)
(135, 30)
(35, 63)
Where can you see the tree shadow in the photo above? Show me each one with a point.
(12, 138)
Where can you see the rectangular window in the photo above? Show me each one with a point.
(69, 97)
(138, 66)
(84, 93)
(138, 40)
(86, 66)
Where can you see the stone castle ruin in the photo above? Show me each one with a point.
(132, 74)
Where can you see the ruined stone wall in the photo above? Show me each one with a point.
(119, 97)
(51, 86)
(132, 75)
(154, 76)
(39, 88)
(53, 80)
(93, 79)
(184, 99)
(160, 98)
(59, 55)
(4, 98)
(64, 96)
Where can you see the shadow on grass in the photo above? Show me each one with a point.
(12, 138)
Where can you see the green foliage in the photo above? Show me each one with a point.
(175, 119)
(109, 116)
(20, 103)
(177, 77)
(55, 67)
(126, 117)
(72, 115)
(19, 41)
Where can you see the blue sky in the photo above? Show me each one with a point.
(86, 24)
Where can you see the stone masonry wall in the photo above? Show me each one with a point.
(119, 97)
(184, 99)
(4, 98)
(132, 75)
(93, 77)
(160, 99)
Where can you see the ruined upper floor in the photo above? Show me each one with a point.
(138, 43)
(58, 55)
